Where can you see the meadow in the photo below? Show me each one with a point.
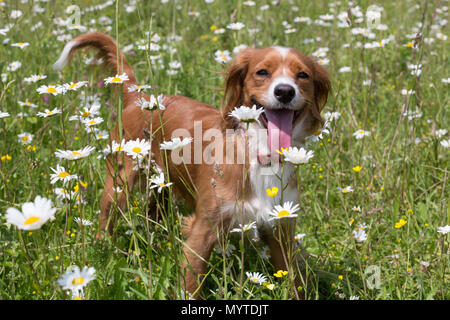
(374, 215)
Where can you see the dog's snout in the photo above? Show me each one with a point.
(284, 93)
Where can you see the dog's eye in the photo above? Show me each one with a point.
(262, 72)
(302, 75)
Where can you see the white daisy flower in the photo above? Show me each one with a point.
(152, 104)
(236, 26)
(245, 227)
(360, 235)
(117, 79)
(175, 143)
(28, 104)
(25, 137)
(256, 277)
(60, 174)
(15, 14)
(444, 230)
(297, 156)
(346, 189)
(88, 122)
(359, 134)
(246, 114)
(440, 133)
(33, 214)
(74, 86)
(83, 222)
(158, 182)
(285, 211)
(48, 113)
(115, 147)
(137, 148)
(21, 45)
(299, 237)
(4, 114)
(62, 193)
(138, 88)
(75, 280)
(54, 90)
(13, 66)
(74, 154)
(445, 143)
(89, 111)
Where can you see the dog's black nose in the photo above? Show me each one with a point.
(284, 93)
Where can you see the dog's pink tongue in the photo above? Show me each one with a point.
(280, 120)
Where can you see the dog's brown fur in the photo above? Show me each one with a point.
(212, 185)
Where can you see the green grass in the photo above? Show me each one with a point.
(403, 179)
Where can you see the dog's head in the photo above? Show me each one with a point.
(281, 80)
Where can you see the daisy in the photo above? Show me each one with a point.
(4, 114)
(115, 147)
(246, 114)
(62, 193)
(74, 155)
(101, 135)
(33, 214)
(175, 143)
(75, 280)
(285, 211)
(21, 45)
(74, 86)
(25, 138)
(346, 189)
(332, 116)
(245, 227)
(87, 112)
(158, 182)
(359, 134)
(15, 14)
(440, 133)
(299, 237)
(83, 222)
(235, 26)
(48, 113)
(320, 53)
(345, 69)
(360, 235)
(138, 88)
(54, 90)
(256, 277)
(28, 104)
(152, 104)
(92, 121)
(60, 174)
(297, 156)
(318, 135)
(444, 229)
(445, 143)
(13, 66)
(137, 148)
(117, 79)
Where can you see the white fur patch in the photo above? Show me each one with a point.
(64, 57)
(282, 50)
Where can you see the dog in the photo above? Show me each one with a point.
(292, 89)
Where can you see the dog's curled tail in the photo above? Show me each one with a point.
(108, 50)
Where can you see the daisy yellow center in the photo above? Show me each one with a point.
(136, 149)
(20, 43)
(51, 90)
(74, 85)
(317, 133)
(119, 148)
(63, 174)
(86, 114)
(24, 138)
(283, 213)
(78, 281)
(116, 79)
(78, 298)
(92, 122)
(255, 279)
(162, 184)
(75, 153)
(31, 220)
(100, 136)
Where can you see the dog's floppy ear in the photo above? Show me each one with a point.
(322, 87)
(234, 94)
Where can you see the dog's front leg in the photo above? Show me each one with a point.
(114, 192)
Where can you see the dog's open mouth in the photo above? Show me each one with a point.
(279, 124)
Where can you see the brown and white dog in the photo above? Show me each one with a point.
(291, 87)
